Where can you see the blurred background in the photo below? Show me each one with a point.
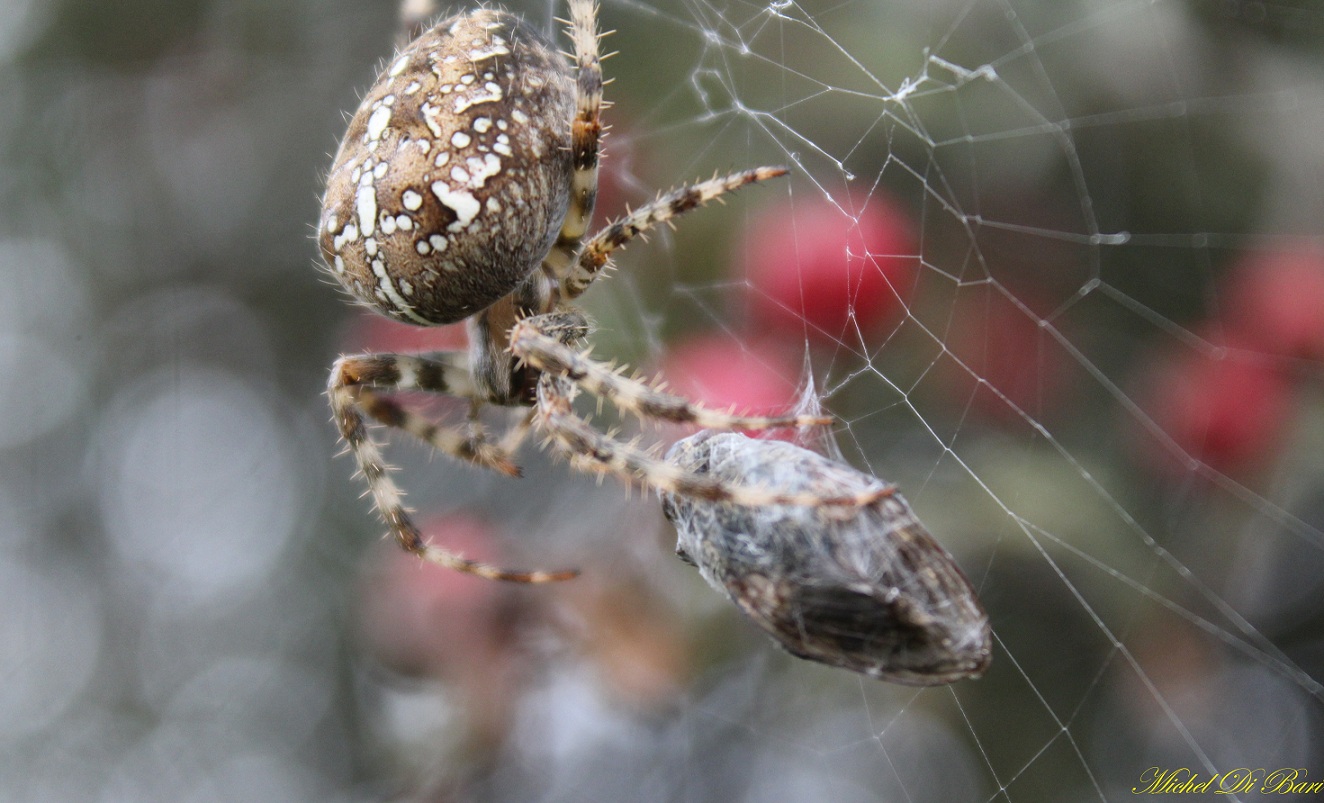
(1057, 269)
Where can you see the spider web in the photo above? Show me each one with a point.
(1088, 182)
(1081, 332)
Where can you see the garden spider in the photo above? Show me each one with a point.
(462, 191)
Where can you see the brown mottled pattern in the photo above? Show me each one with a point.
(866, 589)
(453, 178)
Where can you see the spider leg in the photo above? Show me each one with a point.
(577, 277)
(515, 436)
(586, 135)
(351, 398)
(534, 340)
(588, 448)
(360, 377)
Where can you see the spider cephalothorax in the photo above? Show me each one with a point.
(462, 191)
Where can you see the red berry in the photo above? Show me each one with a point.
(1004, 344)
(722, 372)
(371, 332)
(1228, 410)
(814, 267)
(1275, 302)
(422, 618)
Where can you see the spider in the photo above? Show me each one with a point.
(463, 190)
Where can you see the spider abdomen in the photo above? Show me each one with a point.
(454, 176)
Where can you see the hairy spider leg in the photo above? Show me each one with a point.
(586, 136)
(597, 250)
(534, 340)
(588, 447)
(354, 381)
(445, 373)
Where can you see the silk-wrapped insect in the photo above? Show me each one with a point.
(864, 588)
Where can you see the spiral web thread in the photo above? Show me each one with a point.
(995, 123)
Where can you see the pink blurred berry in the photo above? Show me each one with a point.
(421, 618)
(814, 267)
(1013, 350)
(371, 332)
(1228, 409)
(722, 372)
(1274, 301)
